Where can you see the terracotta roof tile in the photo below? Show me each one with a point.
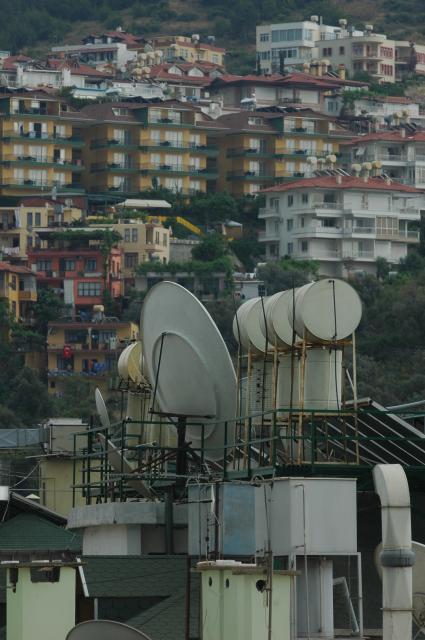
(344, 182)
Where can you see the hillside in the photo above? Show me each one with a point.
(34, 25)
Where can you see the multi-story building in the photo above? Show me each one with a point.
(299, 44)
(41, 144)
(289, 44)
(343, 222)
(295, 88)
(401, 153)
(140, 242)
(19, 225)
(18, 287)
(188, 49)
(88, 350)
(133, 147)
(77, 266)
(379, 111)
(261, 148)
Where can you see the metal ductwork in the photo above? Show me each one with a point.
(396, 557)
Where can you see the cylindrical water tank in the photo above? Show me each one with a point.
(257, 389)
(279, 329)
(325, 311)
(246, 326)
(322, 380)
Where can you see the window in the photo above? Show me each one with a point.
(290, 201)
(29, 220)
(327, 51)
(289, 224)
(67, 265)
(365, 201)
(37, 219)
(45, 574)
(13, 283)
(88, 289)
(304, 246)
(156, 237)
(265, 55)
(304, 198)
(302, 221)
(44, 265)
(134, 235)
(290, 248)
(264, 37)
(164, 240)
(342, 51)
(127, 232)
(90, 265)
(130, 260)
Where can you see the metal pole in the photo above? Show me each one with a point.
(355, 403)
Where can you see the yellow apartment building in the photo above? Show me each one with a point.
(89, 350)
(140, 242)
(19, 288)
(41, 145)
(189, 49)
(19, 225)
(132, 147)
(262, 148)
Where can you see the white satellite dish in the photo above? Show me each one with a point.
(247, 327)
(326, 310)
(102, 410)
(105, 630)
(121, 466)
(129, 363)
(188, 364)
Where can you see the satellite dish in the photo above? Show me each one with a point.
(122, 466)
(187, 358)
(102, 410)
(326, 311)
(105, 630)
(247, 328)
(129, 363)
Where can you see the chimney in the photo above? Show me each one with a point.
(341, 71)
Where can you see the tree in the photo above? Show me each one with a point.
(212, 247)
(287, 273)
(47, 308)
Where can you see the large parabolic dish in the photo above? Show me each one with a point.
(189, 364)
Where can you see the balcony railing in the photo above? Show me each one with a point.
(43, 160)
(268, 213)
(113, 142)
(248, 151)
(43, 137)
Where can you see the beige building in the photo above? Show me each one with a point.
(189, 49)
(19, 225)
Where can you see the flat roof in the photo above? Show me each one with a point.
(144, 204)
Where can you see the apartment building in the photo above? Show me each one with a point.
(140, 242)
(88, 350)
(132, 147)
(75, 264)
(382, 110)
(299, 44)
(401, 153)
(41, 145)
(114, 54)
(188, 80)
(19, 225)
(343, 222)
(18, 287)
(289, 44)
(188, 49)
(261, 148)
(295, 88)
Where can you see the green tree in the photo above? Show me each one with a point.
(212, 247)
(287, 273)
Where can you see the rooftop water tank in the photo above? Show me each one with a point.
(246, 326)
(326, 311)
(276, 323)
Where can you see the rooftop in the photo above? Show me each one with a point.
(344, 182)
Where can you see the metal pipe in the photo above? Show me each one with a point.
(354, 624)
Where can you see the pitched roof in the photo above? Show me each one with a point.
(344, 182)
(389, 136)
(12, 268)
(28, 532)
(295, 77)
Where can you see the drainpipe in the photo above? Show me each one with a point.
(397, 557)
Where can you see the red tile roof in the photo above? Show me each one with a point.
(343, 182)
(9, 64)
(6, 266)
(295, 77)
(390, 136)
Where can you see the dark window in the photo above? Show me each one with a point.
(45, 574)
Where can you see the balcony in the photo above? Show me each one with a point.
(29, 295)
(249, 152)
(179, 169)
(42, 186)
(268, 213)
(74, 141)
(256, 176)
(402, 235)
(268, 236)
(116, 143)
(45, 161)
(115, 167)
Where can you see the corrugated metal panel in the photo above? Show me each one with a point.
(14, 438)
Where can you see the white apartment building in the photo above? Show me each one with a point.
(97, 55)
(295, 41)
(401, 153)
(304, 43)
(343, 222)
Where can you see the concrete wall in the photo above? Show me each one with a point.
(41, 610)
